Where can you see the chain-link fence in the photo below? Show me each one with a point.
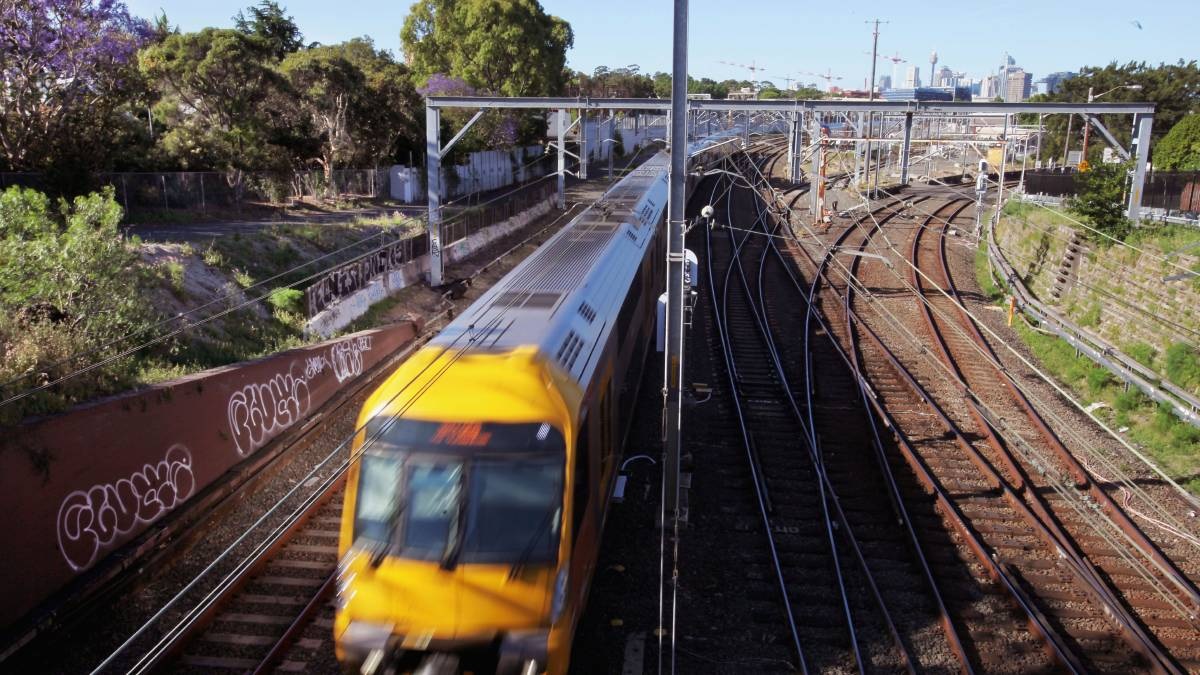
(204, 190)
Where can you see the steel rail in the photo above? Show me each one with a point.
(759, 484)
(759, 313)
(998, 571)
(1086, 574)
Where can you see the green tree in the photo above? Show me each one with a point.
(1174, 89)
(358, 101)
(270, 23)
(506, 47)
(215, 87)
(1179, 150)
(1099, 199)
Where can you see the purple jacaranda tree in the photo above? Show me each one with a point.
(62, 62)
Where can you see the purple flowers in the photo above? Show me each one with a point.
(56, 57)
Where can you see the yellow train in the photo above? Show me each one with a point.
(474, 512)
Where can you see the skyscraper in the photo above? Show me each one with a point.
(885, 82)
(1018, 86)
(912, 77)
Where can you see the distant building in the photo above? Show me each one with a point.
(989, 88)
(885, 82)
(1053, 81)
(912, 77)
(743, 94)
(1019, 85)
(919, 94)
(944, 77)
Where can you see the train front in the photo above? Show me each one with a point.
(451, 537)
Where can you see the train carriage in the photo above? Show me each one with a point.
(473, 516)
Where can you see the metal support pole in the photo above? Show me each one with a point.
(1142, 124)
(815, 174)
(879, 167)
(562, 159)
(1003, 169)
(583, 144)
(612, 138)
(906, 148)
(1067, 139)
(673, 364)
(858, 148)
(746, 132)
(433, 187)
(1037, 160)
(794, 147)
(1024, 156)
(866, 181)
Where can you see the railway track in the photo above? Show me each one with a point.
(1070, 608)
(831, 572)
(1023, 557)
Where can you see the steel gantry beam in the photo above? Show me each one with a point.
(1143, 114)
(780, 105)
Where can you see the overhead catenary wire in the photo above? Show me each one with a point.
(849, 279)
(189, 326)
(150, 658)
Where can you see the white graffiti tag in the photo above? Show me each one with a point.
(261, 409)
(347, 357)
(91, 519)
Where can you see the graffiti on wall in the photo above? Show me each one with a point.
(89, 520)
(258, 411)
(354, 275)
(261, 409)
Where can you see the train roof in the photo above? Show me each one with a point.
(564, 299)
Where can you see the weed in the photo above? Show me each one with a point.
(1142, 353)
(175, 273)
(213, 257)
(243, 279)
(287, 300)
(1091, 318)
(1183, 365)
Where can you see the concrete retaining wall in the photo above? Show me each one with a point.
(341, 314)
(76, 487)
(1102, 288)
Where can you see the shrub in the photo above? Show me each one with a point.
(68, 284)
(1098, 379)
(1142, 353)
(1128, 400)
(287, 300)
(1099, 200)
(1183, 365)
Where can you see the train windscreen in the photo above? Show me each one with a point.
(475, 493)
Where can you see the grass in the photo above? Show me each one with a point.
(1172, 442)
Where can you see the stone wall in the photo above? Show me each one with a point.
(1113, 291)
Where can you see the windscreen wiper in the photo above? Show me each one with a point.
(519, 565)
(380, 550)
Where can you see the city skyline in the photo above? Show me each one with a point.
(1042, 37)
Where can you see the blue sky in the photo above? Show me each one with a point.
(791, 37)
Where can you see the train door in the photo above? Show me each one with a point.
(584, 534)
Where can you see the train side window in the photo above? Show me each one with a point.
(582, 480)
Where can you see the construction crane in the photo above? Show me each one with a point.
(828, 76)
(754, 69)
(787, 79)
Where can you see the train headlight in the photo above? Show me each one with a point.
(559, 600)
